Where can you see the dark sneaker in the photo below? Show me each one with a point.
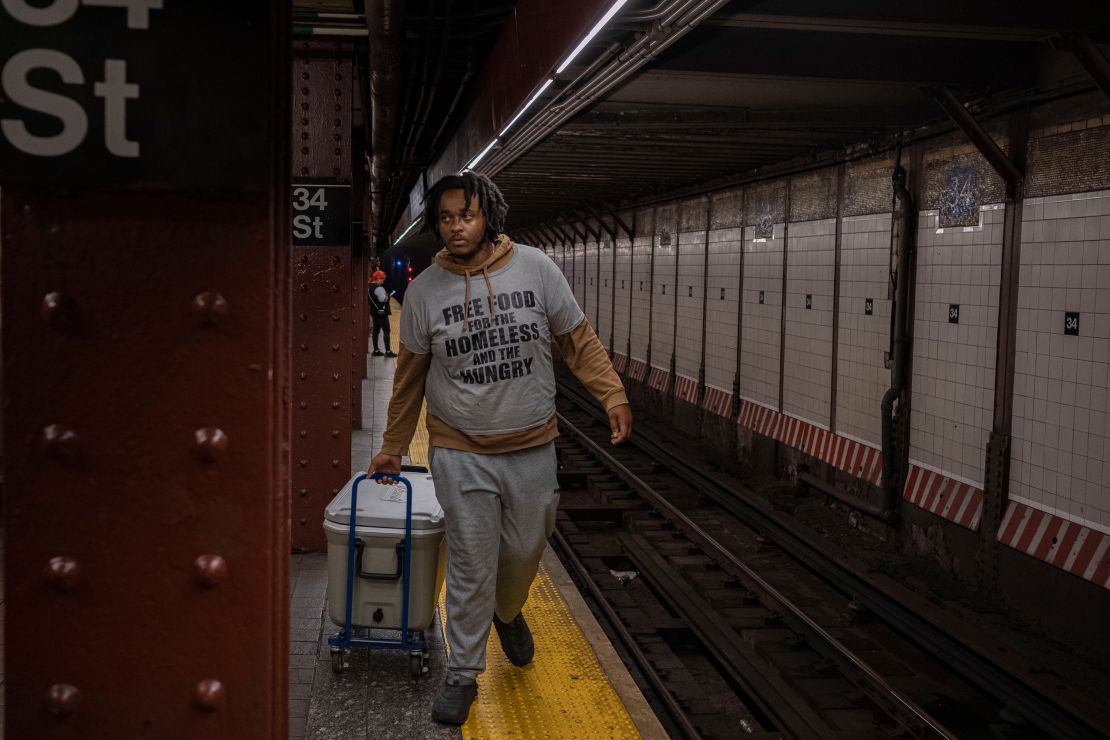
(377, 353)
(390, 353)
(516, 640)
(452, 705)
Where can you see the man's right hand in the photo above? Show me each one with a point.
(385, 463)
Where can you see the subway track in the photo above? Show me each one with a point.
(733, 634)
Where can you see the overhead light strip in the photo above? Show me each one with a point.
(481, 155)
(589, 37)
(406, 232)
(527, 105)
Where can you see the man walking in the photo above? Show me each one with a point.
(476, 335)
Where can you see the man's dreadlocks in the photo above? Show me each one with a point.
(490, 199)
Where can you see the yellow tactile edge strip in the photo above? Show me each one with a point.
(564, 693)
(623, 684)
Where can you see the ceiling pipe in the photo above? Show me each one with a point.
(424, 111)
(680, 18)
(384, 20)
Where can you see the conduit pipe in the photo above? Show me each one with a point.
(679, 18)
(900, 341)
(385, 19)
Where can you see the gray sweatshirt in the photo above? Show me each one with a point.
(489, 334)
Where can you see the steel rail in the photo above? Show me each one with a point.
(1005, 687)
(629, 641)
(741, 659)
(904, 707)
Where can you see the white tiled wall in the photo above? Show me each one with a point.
(662, 331)
(690, 280)
(621, 286)
(760, 341)
(953, 364)
(641, 294)
(807, 374)
(605, 304)
(720, 333)
(862, 376)
(1060, 459)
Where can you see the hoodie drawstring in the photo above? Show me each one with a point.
(489, 289)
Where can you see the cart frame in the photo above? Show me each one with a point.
(410, 640)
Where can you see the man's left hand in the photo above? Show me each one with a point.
(620, 422)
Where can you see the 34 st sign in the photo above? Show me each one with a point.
(134, 92)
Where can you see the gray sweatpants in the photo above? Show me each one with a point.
(499, 511)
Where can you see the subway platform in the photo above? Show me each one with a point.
(577, 686)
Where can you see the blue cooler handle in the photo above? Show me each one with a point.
(407, 547)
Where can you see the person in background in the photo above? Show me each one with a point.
(476, 336)
(380, 311)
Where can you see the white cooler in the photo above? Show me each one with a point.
(380, 527)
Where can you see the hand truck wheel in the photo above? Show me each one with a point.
(416, 665)
(338, 661)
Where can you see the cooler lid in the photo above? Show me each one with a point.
(384, 506)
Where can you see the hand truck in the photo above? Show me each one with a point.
(411, 641)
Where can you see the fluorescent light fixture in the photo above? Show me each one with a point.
(593, 32)
(481, 155)
(527, 105)
(406, 232)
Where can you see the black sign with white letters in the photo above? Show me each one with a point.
(135, 93)
(1071, 324)
(321, 214)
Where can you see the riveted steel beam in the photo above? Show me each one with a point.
(146, 364)
(322, 310)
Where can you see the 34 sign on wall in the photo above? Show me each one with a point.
(134, 92)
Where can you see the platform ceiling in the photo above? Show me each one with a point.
(751, 88)
(760, 84)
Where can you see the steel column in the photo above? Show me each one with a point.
(782, 315)
(321, 447)
(996, 484)
(146, 358)
(841, 173)
(734, 409)
(704, 312)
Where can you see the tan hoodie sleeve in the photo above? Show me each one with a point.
(587, 359)
(404, 404)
